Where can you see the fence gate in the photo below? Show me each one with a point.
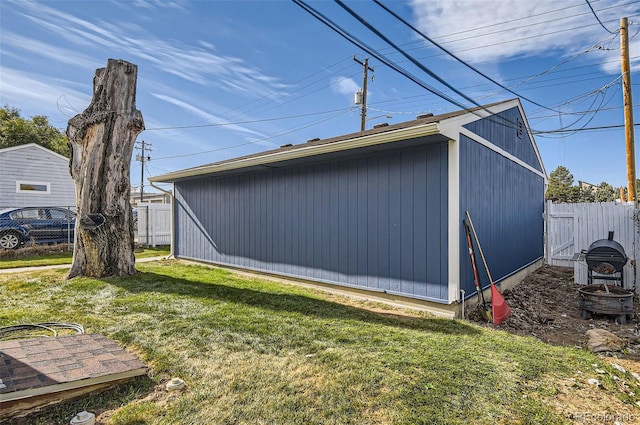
(571, 228)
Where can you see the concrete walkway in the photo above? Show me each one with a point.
(67, 266)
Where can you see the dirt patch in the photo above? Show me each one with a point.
(545, 305)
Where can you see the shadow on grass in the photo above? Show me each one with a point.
(280, 302)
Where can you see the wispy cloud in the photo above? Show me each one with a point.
(199, 64)
(31, 46)
(71, 28)
(204, 115)
(344, 85)
(494, 30)
(54, 98)
(149, 5)
(165, 141)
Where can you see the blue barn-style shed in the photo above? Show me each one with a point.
(380, 210)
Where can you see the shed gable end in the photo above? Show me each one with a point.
(509, 131)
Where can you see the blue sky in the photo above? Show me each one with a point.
(221, 79)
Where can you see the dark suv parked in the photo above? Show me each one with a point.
(19, 226)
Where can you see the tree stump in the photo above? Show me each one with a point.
(101, 141)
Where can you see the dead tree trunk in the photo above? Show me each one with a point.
(101, 141)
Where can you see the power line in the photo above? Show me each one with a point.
(598, 19)
(454, 56)
(577, 120)
(380, 35)
(237, 109)
(253, 141)
(358, 43)
(551, 70)
(591, 92)
(271, 107)
(515, 28)
(511, 29)
(541, 117)
(529, 17)
(604, 127)
(503, 23)
(595, 92)
(305, 78)
(508, 29)
(222, 124)
(411, 59)
(512, 40)
(526, 77)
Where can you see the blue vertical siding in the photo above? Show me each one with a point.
(377, 222)
(506, 203)
(507, 130)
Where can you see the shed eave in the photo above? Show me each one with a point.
(304, 151)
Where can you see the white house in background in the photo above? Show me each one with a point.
(31, 176)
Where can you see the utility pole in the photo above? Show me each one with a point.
(142, 158)
(628, 111)
(365, 76)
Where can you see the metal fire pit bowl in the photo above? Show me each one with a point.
(605, 299)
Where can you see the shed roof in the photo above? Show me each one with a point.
(422, 126)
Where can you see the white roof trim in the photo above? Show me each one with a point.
(453, 126)
(305, 151)
(31, 145)
(484, 142)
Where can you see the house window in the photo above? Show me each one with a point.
(33, 187)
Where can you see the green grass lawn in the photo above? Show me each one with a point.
(261, 352)
(52, 259)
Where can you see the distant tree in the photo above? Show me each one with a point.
(561, 187)
(605, 193)
(585, 195)
(16, 131)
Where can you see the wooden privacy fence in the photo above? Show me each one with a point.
(571, 228)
